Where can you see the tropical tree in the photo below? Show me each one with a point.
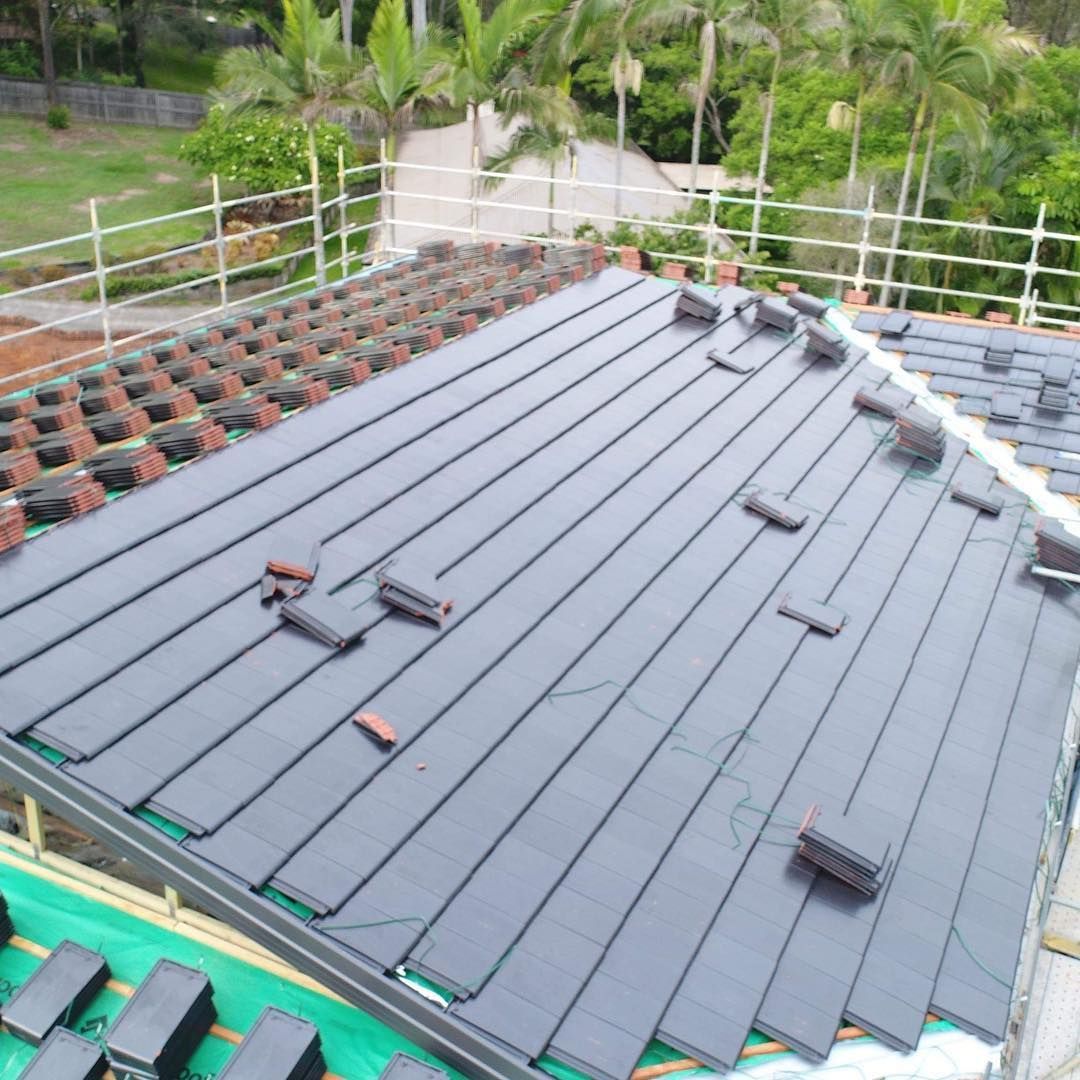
(950, 66)
(399, 79)
(789, 29)
(484, 66)
(308, 71)
(863, 40)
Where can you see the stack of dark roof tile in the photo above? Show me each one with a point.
(162, 1023)
(7, 927)
(140, 364)
(590, 257)
(366, 325)
(396, 314)
(257, 368)
(127, 467)
(1006, 405)
(183, 441)
(271, 318)
(1055, 547)
(330, 341)
(440, 250)
(483, 307)
(339, 371)
(290, 331)
(66, 1056)
(187, 367)
(417, 339)
(54, 498)
(295, 354)
(57, 417)
(245, 414)
(808, 304)
(216, 386)
(122, 424)
(63, 447)
(279, 1046)
(219, 356)
(146, 382)
(234, 328)
(326, 317)
(405, 1067)
(982, 500)
(103, 399)
(12, 408)
(295, 393)
(16, 433)
(256, 341)
(325, 618)
(411, 588)
(517, 294)
(100, 376)
(1053, 397)
(822, 340)
(379, 355)
(699, 302)
(777, 508)
(57, 393)
(847, 849)
(167, 351)
(169, 404)
(921, 433)
(58, 990)
(777, 313)
(17, 466)
(517, 254)
(454, 325)
(1001, 348)
(204, 339)
(887, 400)
(1058, 369)
(12, 529)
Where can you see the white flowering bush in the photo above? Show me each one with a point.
(263, 151)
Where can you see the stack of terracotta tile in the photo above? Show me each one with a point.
(127, 467)
(245, 414)
(290, 331)
(175, 350)
(57, 417)
(204, 340)
(296, 392)
(122, 424)
(270, 317)
(63, 447)
(454, 325)
(483, 307)
(170, 404)
(17, 467)
(13, 408)
(255, 369)
(256, 341)
(395, 314)
(146, 382)
(57, 393)
(12, 528)
(216, 386)
(16, 433)
(338, 372)
(220, 356)
(516, 295)
(324, 317)
(331, 341)
(365, 325)
(54, 498)
(183, 441)
(234, 328)
(103, 399)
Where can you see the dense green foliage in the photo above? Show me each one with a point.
(263, 151)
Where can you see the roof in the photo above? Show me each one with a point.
(1023, 380)
(130, 420)
(450, 147)
(585, 831)
(709, 177)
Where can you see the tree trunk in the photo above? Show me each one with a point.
(920, 198)
(763, 160)
(708, 66)
(901, 203)
(551, 200)
(419, 21)
(856, 138)
(48, 63)
(346, 22)
(620, 141)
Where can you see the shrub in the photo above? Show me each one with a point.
(19, 61)
(110, 78)
(262, 151)
(58, 117)
(138, 284)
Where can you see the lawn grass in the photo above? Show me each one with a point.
(361, 214)
(178, 68)
(47, 178)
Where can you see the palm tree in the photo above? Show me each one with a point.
(307, 73)
(484, 67)
(788, 29)
(400, 79)
(950, 65)
(861, 45)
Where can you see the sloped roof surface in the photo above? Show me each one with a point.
(1011, 392)
(586, 828)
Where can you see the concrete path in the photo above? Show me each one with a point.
(134, 317)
